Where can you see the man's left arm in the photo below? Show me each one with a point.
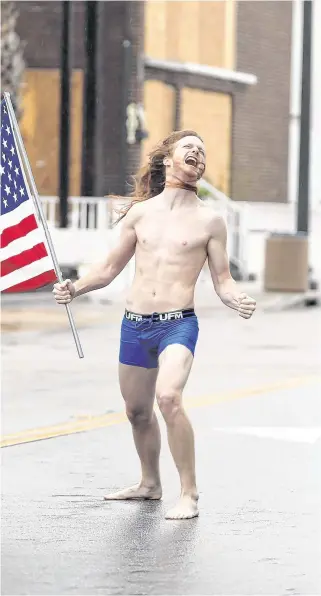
(224, 284)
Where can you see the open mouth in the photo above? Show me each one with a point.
(191, 161)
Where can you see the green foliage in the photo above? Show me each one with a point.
(203, 193)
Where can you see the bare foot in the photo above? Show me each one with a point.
(186, 508)
(136, 492)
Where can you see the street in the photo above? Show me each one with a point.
(254, 401)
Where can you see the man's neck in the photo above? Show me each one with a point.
(181, 185)
(175, 182)
(178, 197)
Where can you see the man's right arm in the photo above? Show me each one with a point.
(104, 273)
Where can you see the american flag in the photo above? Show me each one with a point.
(25, 263)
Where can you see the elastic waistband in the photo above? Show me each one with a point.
(173, 315)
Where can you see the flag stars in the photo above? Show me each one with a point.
(13, 191)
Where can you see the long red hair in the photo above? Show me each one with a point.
(150, 179)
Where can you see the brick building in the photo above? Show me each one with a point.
(245, 125)
(40, 26)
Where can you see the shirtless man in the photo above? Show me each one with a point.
(171, 233)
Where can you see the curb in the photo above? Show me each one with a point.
(287, 302)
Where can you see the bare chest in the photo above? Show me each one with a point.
(173, 236)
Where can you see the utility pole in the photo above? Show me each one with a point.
(89, 115)
(65, 72)
(127, 68)
(304, 169)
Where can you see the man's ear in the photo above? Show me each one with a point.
(166, 161)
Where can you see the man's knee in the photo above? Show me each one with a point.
(138, 416)
(169, 403)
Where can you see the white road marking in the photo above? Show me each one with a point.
(281, 433)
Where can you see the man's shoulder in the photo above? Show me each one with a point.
(213, 219)
(141, 206)
(136, 210)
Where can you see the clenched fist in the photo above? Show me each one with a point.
(65, 292)
(247, 306)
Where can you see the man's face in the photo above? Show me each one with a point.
(188, 159)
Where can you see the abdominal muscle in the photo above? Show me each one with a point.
(162, 285)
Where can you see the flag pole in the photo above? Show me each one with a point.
(40, 212)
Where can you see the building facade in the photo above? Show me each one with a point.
(237, 98)
(245, 129)
(40, 25)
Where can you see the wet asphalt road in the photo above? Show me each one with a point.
(254, 402)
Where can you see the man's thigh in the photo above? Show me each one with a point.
(175, 363)
(137, 385)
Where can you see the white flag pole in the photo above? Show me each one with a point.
(40, 212)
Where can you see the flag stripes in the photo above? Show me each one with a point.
(25, 262)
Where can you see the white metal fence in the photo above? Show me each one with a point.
(236, 217)
(93, 213)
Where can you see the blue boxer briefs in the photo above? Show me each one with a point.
(144, 337)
